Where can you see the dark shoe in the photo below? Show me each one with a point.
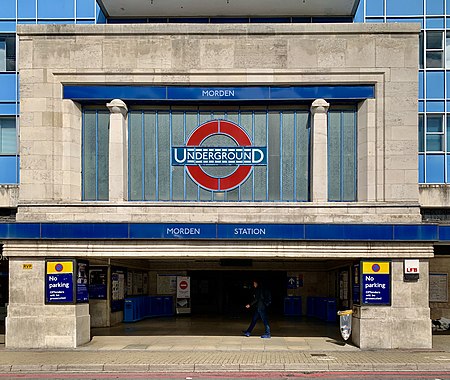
(265, 336)
(246, 333)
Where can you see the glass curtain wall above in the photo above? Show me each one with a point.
(434, 76)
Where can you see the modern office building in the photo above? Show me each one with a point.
(213, 143)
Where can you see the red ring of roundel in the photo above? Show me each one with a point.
(232, 130)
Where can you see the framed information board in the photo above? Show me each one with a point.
(438, 287)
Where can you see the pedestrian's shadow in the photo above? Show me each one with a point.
(337, 342)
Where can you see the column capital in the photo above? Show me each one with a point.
(117, 106)
(319, 106)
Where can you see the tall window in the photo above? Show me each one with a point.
(284, 131)
(95, 171)
(342, 155)
(8, 139)
(434, 45)
(7, 53)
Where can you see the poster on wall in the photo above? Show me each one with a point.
(438, 287)
(183, 287)
(166, 284)
(183, 305)
(59, 281)
(356, 291)
(98, 284)
(376, 283)
(118, 287)
(82, 281)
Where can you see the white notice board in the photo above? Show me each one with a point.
(438, 287)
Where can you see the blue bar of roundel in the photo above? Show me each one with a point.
(172, 231)
(85, 231)
(20, 230)
(415, 232)
(114, 92)
(348, 232)
(218, 93)
(261, 231)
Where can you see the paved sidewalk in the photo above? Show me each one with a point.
(223, 353)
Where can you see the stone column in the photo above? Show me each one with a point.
(118, 151)
(319, 151)
(30, 323)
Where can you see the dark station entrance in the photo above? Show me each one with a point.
(226, 293)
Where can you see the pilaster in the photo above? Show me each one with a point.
(319, 149)
(118, 151)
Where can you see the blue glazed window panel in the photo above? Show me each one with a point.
(434, 165)
(421, 134)
(8, 139)
(26, 8)
(421, 85)
(85, 8)
(10, 170)
(8, 9)
(7, 26)
(399, 8)
(374, 7)
(100, 17)
(435, 7)
(421, 168)
(435, 85)
(435, 22)
(48, 9)
(8, 109)
(435, 106)
(375, 20)
(8, 87)
(421, 106)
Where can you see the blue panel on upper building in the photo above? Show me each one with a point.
(47, 9)
(8, 87)
(9, 174)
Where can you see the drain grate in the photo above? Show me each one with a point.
(136, 347)
(318, 354)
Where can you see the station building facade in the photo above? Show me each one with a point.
(219, 152)
(175, 147)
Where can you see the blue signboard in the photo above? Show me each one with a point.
(311, 232)
(59, 282)
(376, 283)
(180, 93)
(219, 156)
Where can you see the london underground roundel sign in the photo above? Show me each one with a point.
(243, 155)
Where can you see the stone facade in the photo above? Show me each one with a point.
(244, 55)
(217, 54)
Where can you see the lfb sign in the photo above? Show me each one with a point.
(200, 152)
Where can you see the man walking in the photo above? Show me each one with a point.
(262, 299)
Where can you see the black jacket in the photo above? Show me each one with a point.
(261, 298)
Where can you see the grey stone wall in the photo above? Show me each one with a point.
(32, 324)
(404, 324)
(383, 55)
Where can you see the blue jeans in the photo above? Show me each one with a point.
(259, 314)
